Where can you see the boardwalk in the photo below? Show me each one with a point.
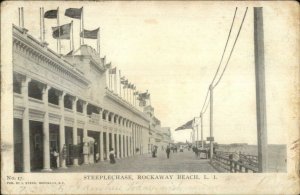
(178, 162)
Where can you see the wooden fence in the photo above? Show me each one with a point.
(233, 162)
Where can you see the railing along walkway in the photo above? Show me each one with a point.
(233, 162)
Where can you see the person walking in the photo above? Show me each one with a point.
(112, 156)
(168, 150)
(154, 150)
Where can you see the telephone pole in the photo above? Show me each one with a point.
(262, 139)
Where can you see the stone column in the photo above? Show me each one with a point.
(25, 127)
(140, 140)
(107, 145)
(62, 130)
(101, 145)
(125, 143)
(132, 135)
(46, 148)
(118, 146)
(85, 136)
(74, 108)
(122, 145)
(130, 146)
(137, 139)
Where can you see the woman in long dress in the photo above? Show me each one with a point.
(112, 156)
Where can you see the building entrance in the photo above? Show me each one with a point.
(36, 144)
(69, 144)
(95, 135)
(18, 145)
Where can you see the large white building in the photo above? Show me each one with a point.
(64, 103)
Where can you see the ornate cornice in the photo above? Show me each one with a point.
(125, 104)
(39, 52)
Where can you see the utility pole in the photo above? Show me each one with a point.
(262, 139)
(211, 122)
(201, 116)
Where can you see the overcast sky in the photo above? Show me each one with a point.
(173, 50)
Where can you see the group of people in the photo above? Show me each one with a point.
(154, 151)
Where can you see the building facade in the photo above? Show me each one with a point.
(159, 136)
(63, 104)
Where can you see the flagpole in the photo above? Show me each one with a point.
(111, 82)
(72, 37)
(57, 21)
(43, 24)
(127, 94)
(22, 17)
(80, 38)
(124, 93)
(120, 83)
(82, 27)
(19, 9)
(115, 81)
(41, 38)
(109, 79)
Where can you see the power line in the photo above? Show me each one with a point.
(206, 108)
(205, 100)
(231, 49)
(225, 46)
(220, 60)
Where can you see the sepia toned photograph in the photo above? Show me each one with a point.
(149, 97)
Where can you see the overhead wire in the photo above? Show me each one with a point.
(225, 46)
(228, 37)
(232, 49)
(205, 100)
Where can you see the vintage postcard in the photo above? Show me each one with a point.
(150, 97)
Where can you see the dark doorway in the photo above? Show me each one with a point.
(69, 144)
(95, 135)
(80, 145)
(54, 143)
(36, 145)
(104, 145)
(18, 145)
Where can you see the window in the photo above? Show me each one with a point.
(53, 97)
(67, 102)
(35, 90)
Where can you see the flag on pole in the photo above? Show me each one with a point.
(73, 13)
(51, 14)
(90, 34)
(145, 95)
(113, 70)
(124, 82)
(108, 66)
(187, 125)
(61, 32)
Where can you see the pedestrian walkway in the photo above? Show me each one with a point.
(178, 162)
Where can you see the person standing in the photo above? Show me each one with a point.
(112, 156)
(168, 150)
(154, 151)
